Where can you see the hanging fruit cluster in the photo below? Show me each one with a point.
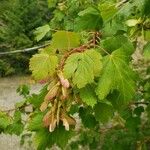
(58, 94)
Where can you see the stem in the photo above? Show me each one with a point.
(121, 3)
(103, 50)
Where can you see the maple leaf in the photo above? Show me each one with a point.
(116, 75)
(41, 32)
(103, 112)
(83, 67)
(64, 40)
(89, 19)
(88, 96)
(43, 65)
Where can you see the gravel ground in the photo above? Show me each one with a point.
(8, 97)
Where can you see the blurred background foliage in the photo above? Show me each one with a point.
(18, 20)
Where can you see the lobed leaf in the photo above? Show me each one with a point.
(41, 32)
(111, 44)
(88, 95)
(43, 65)
(64, 40)
(44, 139)
(5, 121)
(103, 112)
(89, 19)
(52, 3)
(108, 11)
(116, 75)
(87, 118)
(83, 67)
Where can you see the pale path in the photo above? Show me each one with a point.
(8, 97)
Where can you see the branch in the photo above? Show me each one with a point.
(24, 50)
(121, 3)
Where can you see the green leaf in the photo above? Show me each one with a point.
(52, 3)
(64, 40)
(132, 123)
(36, 122)
(20, 104)
(44, 139)
(43, 65)
(15, 128)
(116, 75)
(37, 99)
(5, 120)
(17, 116)
(147, 35)
(87, 117)
(146, 11)
(148, 111)
(83, 67)
(103, 112)
(132, 22)
(23, 90)
(88, 95)
(108, 11)
(41, 140)
(113, 27)
(89, 10)
(139, 110)
(111, 44)
(147, 51)
(89, 19)
(40, 32)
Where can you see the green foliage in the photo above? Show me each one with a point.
(88, 95)
(97, 91)
(89, 19)
(83, 67)
(111, 44)
(45, 139)
(35, 123)
(52, 3)
(5, 121)
(115, 65)
(108, 11)
(23, 90)
(37, 99)
(103, 112)
(43, 65)
(147, 51)
(41, 32)
(85, 113)
(63, 40)
(146, 8)
(18, 22)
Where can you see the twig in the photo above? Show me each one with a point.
(121, 3)
(24, 50)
